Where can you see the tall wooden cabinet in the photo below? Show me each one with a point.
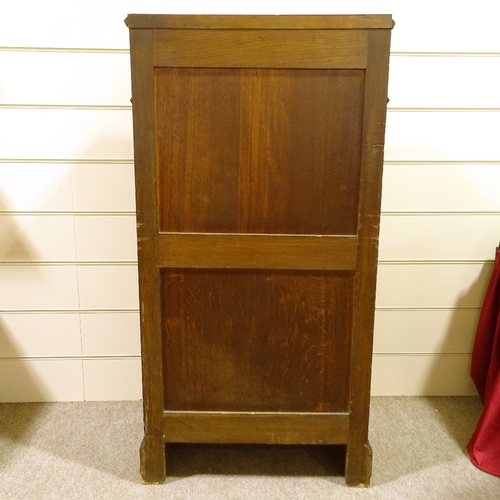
(258, 162)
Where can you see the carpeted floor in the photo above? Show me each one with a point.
(90, 451)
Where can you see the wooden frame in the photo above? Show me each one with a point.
(339, 257)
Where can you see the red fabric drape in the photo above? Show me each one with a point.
(484, 446)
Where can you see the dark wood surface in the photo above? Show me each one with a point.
(256, 428)
(258, 158)
(259, 151)
(264, 251)
(256, 340)
(153, 464)
(258, 22)
(359, 453)
(248, 49)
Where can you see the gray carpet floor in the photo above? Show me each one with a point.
(90, 451)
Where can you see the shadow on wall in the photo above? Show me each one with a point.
(14, 245)
(18, 378)
(448, 369)
(18, 381)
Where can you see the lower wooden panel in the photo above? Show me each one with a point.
(251, 340)
(252, 428)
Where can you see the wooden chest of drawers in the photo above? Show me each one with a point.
(258, 159)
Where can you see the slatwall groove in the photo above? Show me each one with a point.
(441, 110)
(421, 353)
(71, 311)
(72, 107)
(70, 161)
(80, 50)
(71, 50)
(78, 358)
(110, 107)
(428, 308)
(56, 213)
(445, 54)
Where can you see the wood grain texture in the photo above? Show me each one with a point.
(188, 250)
(238, 340)
(359, 455)
(197, 116)
(266, 145)
(255, 428)
(259, 22)
(259, 151)
(153, 465)
(248, 49)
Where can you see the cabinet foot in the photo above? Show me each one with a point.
(358, 468)
(153, 460)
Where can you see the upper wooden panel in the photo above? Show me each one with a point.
(158, 21)
(258, 150)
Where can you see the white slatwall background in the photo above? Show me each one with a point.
(68, 277)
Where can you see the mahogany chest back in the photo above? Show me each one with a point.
(258, 160)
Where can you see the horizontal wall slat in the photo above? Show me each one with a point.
(103, 187)
(40, 380)
(432, 285)
(53, 310)
(459, 187)
(438, 331)
(36, 238)
(43, 239)
(69, 334)
(71, 187)
(110, 334)
(444, 82)
(35, 187)
(257, 251)
(421, 29)
(66, 133)
(264, 428)
(442, 136)
(64, 78)
(431, 375)
(108, 287)
(435, 237)
(44, 287)
(104, 237)
(122, 379)
(35, 335)
(47, 288)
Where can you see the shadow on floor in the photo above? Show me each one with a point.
(255, 460)
(105, 436)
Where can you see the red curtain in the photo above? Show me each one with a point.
(484, 446)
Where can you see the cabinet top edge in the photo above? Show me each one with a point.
(176, 21)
